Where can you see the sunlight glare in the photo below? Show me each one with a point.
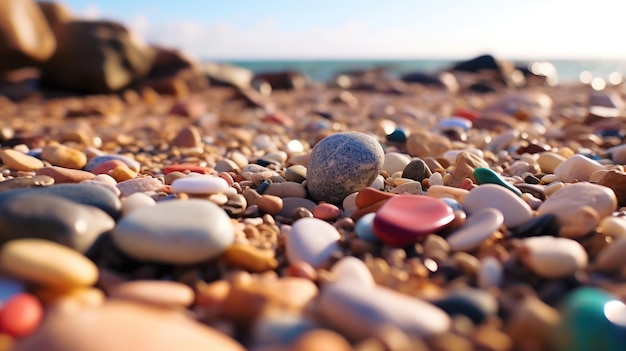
(585, 77)
(616, 78)
(598, 83)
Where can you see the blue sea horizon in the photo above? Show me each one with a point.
(323, 70)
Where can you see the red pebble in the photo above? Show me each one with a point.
(107, 166)
(21, 315)
(326, 212)
(466, 113)
(187, 167)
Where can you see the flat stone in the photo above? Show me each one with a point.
(423, 143)
(405, 218)
(47, 264)
(65, 175)
(180, 232)
(612, 257)
(549, 161)
(199, 184)
(286, 189)
(311, 240)
(417, 170)
(31, 214)
(19, 161)
(567, 201)
(161, 293)
(444, 191)
(577, 168)
(359, 312)
(26, 182)
(64, 156)
(141, 184)
(512, 207)
(341, 164)
(478, 227)
(368, 196)
(553, 257)
(91, 329)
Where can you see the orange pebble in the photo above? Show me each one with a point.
(106, 167)
(368, 196)
(326, 212)
(122, 173)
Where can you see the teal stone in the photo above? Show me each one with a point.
(488, 176)
(591, 320)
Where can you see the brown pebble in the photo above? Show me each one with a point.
(250, 258)
(270, 204)
(65, 175)
(188, 136)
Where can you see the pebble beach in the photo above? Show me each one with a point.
(212, 208)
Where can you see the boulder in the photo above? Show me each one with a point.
(25, 37)
(174, 72)
(222, 74)
(490, 68)
(96, 57)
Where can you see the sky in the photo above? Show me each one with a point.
(373, 29)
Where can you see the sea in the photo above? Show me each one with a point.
(567, 71)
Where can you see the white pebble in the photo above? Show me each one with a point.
(553, 257)
(136, 201)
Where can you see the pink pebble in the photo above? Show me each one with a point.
(20, 315)
(405, 218)
(326, 212)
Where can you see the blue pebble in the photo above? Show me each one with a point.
(454, 122)
(397, 136)
(455, 205)
(365, 227)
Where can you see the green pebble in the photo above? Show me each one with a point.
(487, 176)
(591, 320)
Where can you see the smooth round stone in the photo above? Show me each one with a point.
(64, 174)
(286, 189)
(591, 320)
(613, 226)
(292, 203)
(405, 218)
(360, 312)
(136, 201)
(295, 173)
(341, 164)
(167, 294)
(311, 240)
(179, 232)
(553, 257)
(500, 142)
(417, 170)
(142, 184)
(21, 315)
(454, 122)
(19, 161)
(47, 264)
(30, 214)
(512, 207)
(106, 328)
(131, 163)
(378, 183)
(577, 168)
(444, 191)
(411, 187)
(549, 161)
(489, 176)
(474, 303)
(478, 227)
(364, 228)
(397, 136)
(435, 179)
(201, 184)
(567, 201)
(423, 143)
(86, 194)
(353, 270)
(395, 162)
(327, 212)
(64, 156)
(612, 257)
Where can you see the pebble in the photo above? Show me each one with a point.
(64, 156)
(488, 176)
(47, 264)
(65, 175)
(612, 226)
(136, 201)
(549, 161)
(502, 141)
(199, 184)
(29, 214)
(365, 227)
(21, 315)
(464, 166)
(327, 212)
(130, 162)
(532, 323)
(187, 137)
(478, 227)
(512, 207)
(270, 204)
(321, 339)
(141, 184)
(612, 257)
(417, 170)
(180, 232)
(311, 240)
(395, 162)
(444, 191)
(474, 303)
(250, 258)
(19, 161)
(616, 180)
(577, 168)
(378, 183)
(567, 202)
(359, 312)
(591, 320)
(82, 330)
(422, 143)
(286, 189)
(369, 196)
(341, 164)
(107, 166)
(553, 257)
(490, 273)
(160, 293)
(412, 187)
(405, 218)
(295, 173)
(353, 270)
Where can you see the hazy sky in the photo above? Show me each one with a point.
(230, 29)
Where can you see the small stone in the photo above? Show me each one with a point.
(354, 270)
(270, 204)
(321, 339)
(131, 163)
(412, 187)
(141, 184)
(187, 137)
(612, 257)
(490, 273)
(549, 161)
(327, 212)
(478, 227)
(488, 176)
(181, 232)
(417, 170)
(512, 207)
(311, 240)
(160, 293)
(465, 164)
(65, 175)
(21, 315)
(395, 162)
(577, 168)
(47, 264)
(422, 143)
(199, 184)
(19, 161)
(250, 258)
(444, 191)
(532, 323)
(341, 164)
(553, 257)
(64, 156)
(136, 201)
(286, 189)
(369, 196)
(615, 180)
(405, 218)
(295, 173)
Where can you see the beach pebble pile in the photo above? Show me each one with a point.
(301, 220)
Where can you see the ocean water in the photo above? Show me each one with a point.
(568, 71)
